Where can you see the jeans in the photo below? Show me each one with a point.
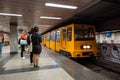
(0, 48)
(22, 50)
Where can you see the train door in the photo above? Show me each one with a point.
(64, 39)
(58, 40)
(69, 42)
(48, 40)
(52, 40)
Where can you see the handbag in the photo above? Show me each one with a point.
(23, 42)
(27, 50)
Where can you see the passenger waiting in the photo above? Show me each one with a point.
(23, 42)
(29, 42)
(37, 48)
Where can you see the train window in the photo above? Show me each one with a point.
(52, 36)
(64, 34)
(58, 36)
(48, 37)
(69, 34)
(83, 33)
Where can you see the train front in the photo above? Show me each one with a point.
(84, 41)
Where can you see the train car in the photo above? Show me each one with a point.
(52, 40)
(47, 42)
(78, 41)
(74, 40)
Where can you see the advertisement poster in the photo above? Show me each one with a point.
(110, 52)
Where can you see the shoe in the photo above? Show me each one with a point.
(31, 63)
(23, 57)
(36, 66)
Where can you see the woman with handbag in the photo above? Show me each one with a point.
(23, 42)
(37, 48)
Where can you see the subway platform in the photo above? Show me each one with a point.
(53, 66)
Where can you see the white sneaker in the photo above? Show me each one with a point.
(23, 57)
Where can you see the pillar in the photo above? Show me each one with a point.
(13, 38)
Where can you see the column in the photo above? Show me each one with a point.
(13, 37)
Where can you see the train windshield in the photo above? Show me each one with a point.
(83, 33)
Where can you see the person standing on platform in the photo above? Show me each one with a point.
(29, 42)
(37, 48)
(23, 42)
(1, 42)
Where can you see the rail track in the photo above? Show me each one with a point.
(99, 68)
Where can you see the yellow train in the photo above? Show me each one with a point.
(74, 40)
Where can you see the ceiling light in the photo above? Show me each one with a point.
(46, 17)
(44, 25)
(60, 6)
(38, 11)
(7, 14)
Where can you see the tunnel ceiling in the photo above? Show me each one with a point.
(89, 11)
(97, 14)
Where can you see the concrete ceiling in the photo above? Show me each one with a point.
(88, 11)
(97, 14)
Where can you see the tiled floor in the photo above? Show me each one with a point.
(5, 52)
(21, 69)
(48, 74)
(52, 67)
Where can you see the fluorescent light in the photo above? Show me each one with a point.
(60, 6)
(38, 11)
(7, 14)
(46, 17)
(44, 25)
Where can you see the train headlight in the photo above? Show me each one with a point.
(84, 46)
(88, 46)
